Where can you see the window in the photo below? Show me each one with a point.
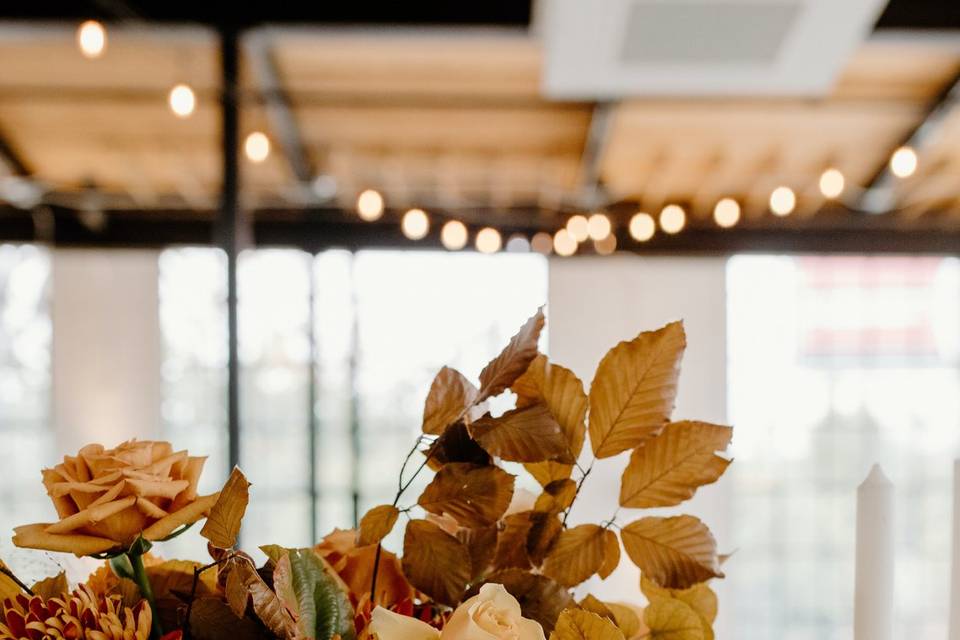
(836, 363)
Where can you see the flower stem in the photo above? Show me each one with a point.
(143, 583)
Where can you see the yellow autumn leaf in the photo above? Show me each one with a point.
(226, 515)
(476, 496)
(579, 624)
(377, 523)
(672, 620)
(670, 468)
(611, 554)
(562, 391)
(502, 371)
(626, 618)
(451, 394)
(576, 555)
(529, 434)
(676, 552)
(633, 391)
(556, 496)
(549, 471)
(700, 597)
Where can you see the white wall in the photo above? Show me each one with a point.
(595, 303)
(106, 346)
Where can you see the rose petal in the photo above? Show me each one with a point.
(187, 515)
(156, 488)
(393, 626)
(149, 509)
(64, 505)
(188, 470)
(162, 466)
(35, 536)
(91, 515)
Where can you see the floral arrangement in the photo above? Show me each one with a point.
(476, 564)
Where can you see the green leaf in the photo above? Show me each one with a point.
(313, 596)
(121, 567)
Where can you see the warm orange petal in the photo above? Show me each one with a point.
(35, 536)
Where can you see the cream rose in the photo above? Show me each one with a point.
(493, 614)
(105, 498)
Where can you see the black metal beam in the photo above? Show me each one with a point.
(229, 222)
(879, 194)
(590, 185)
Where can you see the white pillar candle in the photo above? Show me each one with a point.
(955, 567)
(873, 596)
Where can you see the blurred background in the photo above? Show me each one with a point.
(258, 232)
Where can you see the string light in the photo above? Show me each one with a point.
(578, 228)
(605, 246)
(257, 146)
(92, 39)
(726, 213)
(564, 244)
(903, 162)
(832, 183)
(415, 224)
(598, 226)
(518, 243)
(542, 243)
(182, 101)
(370, 205)
(453, 235)
(672, 218)
(783, 201)
(488, 240)
(642, 227)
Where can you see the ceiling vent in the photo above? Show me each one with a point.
(608, 49)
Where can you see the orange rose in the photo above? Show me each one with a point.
(105, 498)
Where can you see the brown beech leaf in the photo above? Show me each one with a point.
(547, 472)
(435, 562)
(212, 619)
(530, 434)
(482, 545)
(700, 597)
(543, 535)
(451, 395)
(672, 620)
(576, 555)
(633, 391)
(476, 496)
(556, 496)
(502, 371)
(52, 587)
(456, 445)
(580, 624)
(590, 603)
(223, 523)
(377, 523)
(562, 391)
(626, 618)
(611, 554)
(675, 553)
(540, 598)
(670, 468)
(244, 585)
(511, 552)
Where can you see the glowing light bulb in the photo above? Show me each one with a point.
(726, 213)
(182, 101)
(542, 243)
(605, 246)
(257, 146)
(783, 201)
(518, 243)
(453, 235)
(564, 244)
(578, 228)
(488, 240)
(832, 183)
(598, 226)
(672, 219)
(415, 224)
(370, 205)
(642, 226)
(903, 162)
(92, 39)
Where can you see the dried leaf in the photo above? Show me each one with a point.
(672, 620)
(377, 523)
(577, 555)
(223, 523)
(515, 358)
(592, 604)
(476, 496)
(52, 587)
(676, 553)
(543, 535)
(557, 496)
(482, 544)
(540, 598)
(451, 394)
(314, 596)
(456, 445)
(578, 624)
(511, 552)
(8, 588)
(563, 393)
(633, 391)
(699, 597)
(211, 619)
(547, 472)
(354, 565)
(530, 434)
(626, 618)
(611, 554)
(245, 585)
(435, 562)
(669, 468)
(174, 579)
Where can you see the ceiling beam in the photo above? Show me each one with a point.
(591, 188)
(9, 156)
(879, 195)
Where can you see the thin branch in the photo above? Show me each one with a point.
(185, 629)
(7, 572)
(577, 492)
